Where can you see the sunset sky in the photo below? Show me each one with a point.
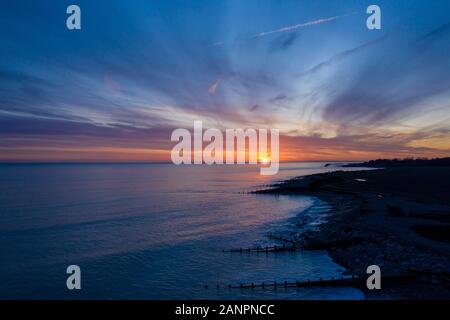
(116, 89)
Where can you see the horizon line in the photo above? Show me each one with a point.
(146, 162)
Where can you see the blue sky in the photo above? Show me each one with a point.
(115, 89)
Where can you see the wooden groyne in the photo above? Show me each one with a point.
(295, 245)
(289, 245)
(332, 282)
(283, 239)
(349, 281)
(353, 281)
(282, 248)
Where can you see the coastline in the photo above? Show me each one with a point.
(397, 218)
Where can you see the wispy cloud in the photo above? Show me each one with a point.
(333, 98)
(213, 87)
(342, 55)
(216, 44)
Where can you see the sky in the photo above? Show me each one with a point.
(117, 88)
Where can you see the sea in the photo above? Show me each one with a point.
(157, 231)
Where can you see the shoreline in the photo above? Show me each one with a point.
(396, 218)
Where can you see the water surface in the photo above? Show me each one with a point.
(152, 231)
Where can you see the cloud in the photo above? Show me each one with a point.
(284, 42)
(392, 86)
(216, 44)
(342, 55)
(363, 146)
(278, 99)
(255, 107)
(213, 87)
(130, 73)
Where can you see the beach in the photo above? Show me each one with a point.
(397, 218)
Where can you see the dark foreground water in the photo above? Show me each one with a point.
(153, 232)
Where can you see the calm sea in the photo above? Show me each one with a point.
(153, 231)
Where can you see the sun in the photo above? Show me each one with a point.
(264, 160)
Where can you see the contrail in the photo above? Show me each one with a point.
(302, 25)
(293, 27)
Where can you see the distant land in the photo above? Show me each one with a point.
(408, 162)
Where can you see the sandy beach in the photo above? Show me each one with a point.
(397, 218)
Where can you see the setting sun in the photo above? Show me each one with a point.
(264, 160)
